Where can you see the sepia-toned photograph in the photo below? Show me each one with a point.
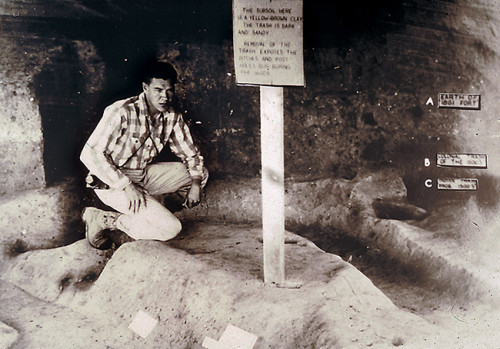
(249, 174)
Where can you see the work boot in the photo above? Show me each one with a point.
(96, 222)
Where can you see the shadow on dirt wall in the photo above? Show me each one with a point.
(70, 108)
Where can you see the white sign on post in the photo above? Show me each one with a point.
(268, 51)
(268, 44)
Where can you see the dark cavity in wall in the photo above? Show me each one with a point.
(58, 90)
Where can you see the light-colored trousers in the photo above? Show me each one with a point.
(154, 221)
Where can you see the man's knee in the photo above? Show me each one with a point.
(171, 231)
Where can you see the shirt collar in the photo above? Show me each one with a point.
(143, 106)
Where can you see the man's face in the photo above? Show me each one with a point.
(159, 95)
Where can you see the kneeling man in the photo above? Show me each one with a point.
(119, 156)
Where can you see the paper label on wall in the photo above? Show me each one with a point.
(268, 42)
(457, 184)
(459, 101)
(462, 160)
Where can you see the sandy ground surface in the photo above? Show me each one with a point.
(58, 292)
(55, 298)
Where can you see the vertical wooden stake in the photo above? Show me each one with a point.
(273, 192)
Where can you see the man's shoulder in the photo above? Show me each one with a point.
(124, 104)
(173, 115)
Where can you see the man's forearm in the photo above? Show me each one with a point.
(100, 166)
(196, 182)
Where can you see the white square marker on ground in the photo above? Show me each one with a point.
(232, 338)
(210, 343)
(143, 324)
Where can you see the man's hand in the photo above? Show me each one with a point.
(193, 195)
(136, 197)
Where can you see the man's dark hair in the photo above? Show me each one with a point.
(159, 70)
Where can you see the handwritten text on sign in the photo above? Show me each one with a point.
(457, 184)
(462, 160)
(268, 43)
(459, 101)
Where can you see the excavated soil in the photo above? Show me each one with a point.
(211, 275)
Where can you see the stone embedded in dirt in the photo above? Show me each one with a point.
(398, 341)
(385, 184)
(388, 209)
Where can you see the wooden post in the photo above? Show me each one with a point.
(270, 58)
(273, 192)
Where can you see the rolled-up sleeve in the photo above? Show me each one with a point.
(96, 153)
(182, 145)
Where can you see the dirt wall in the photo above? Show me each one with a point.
(369, 77)
(21, 141)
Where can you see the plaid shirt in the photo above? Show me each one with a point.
(126, 139)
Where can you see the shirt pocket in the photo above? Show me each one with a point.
(136, 140)
(131, 145)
